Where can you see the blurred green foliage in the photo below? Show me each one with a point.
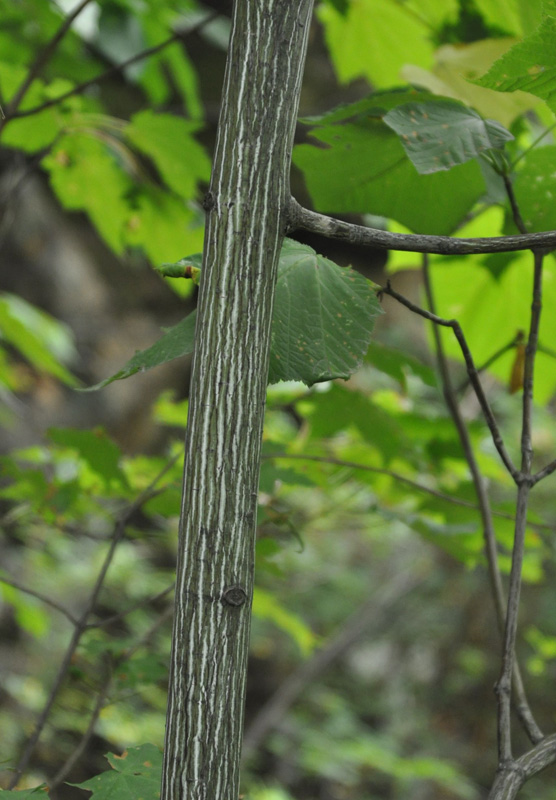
(361, 481)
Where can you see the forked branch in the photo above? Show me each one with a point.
(471, 371)
(524, 487)
(521, 703)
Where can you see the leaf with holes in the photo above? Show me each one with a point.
(440, 134)
(360, 165)
(324, 316)
(323, 320)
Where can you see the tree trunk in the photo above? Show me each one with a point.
(247, 208)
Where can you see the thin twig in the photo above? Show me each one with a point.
(471, 371)
(543, 473)
(399, 478)
(84, 741)
(533, 144)
(44, 598)
(493, 358)
(80, 88)
(302, 219)
(524, 487)
(548, 351)
(489, 537)
(102, 698)
(516, 213)
(140, 603)
(81, 625)
(43, 58)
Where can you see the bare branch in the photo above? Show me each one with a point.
(43, 597)
(102, 698)
(471, 371)
(302, 219)
(543, 473)
(399, 478)
(524, 487)
(42, 59)
(511, 776)
(516, 213)
(146, 601)
(494, 357)
(80, 88)
(100, 702)
(81, 623)
(522, 706)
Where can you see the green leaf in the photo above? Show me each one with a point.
(185, 77)
(270, 474)
(162, 224)
(340, 408)
(96, 172)
(94, 447)
(361, 166)
(168, 411)
(505, 14)
(38, 131)
(24, 794)
(85, 176)
(361, 43)
(455, 70)
(170, 69)
(323, 318)
(42, 340)
(530, 65)
(140, 671)
(462, 540)
(341, 6)
(439, 134)
(168, 140)
(177, 341)
(135, 775)
(28, 612)
(535, 190)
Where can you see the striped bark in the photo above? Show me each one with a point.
(246, 216)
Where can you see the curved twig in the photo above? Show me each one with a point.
(43, 597)
(522, 706)
(471, 371)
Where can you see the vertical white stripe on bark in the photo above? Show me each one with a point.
(249, 193)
